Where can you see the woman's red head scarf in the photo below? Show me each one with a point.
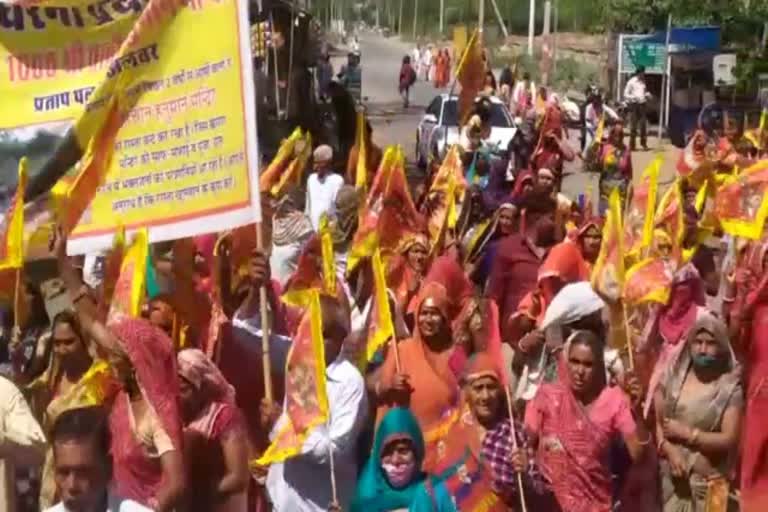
(446, 272)
(153, 359)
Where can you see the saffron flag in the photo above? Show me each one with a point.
(130, 288)
(112, 263)
(468, 485)
(741, 204)
(648, 280)
(306, 399)
(638, 224)
(470, 74)
(599, 131)
(608, 273)
(315, 270)
(695, 162)
(294, 172)
(669, 218)
(447, 190)
(389, 214)
(361, 167)
(285, 154)
(12, 241)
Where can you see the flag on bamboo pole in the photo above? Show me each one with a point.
(448, 189)
(112, 263)
(285, 153)
(695, 162)
(306, 398)
(608, 273)
(381, 327)
(12, 241)
(130, 288)
(648, 280)
(389, 214)
(327, 256)
(599, 131)
(315, 270)
(294, 171)
(638, 224)
(470, 74)
(361, 166)
(669, 218)
(741, 203)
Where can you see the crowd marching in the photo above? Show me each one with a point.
(478, 341)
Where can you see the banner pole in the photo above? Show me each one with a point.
(265, 327)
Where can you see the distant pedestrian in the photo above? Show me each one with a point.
(324, 75)
(636, 96)
(407, 79)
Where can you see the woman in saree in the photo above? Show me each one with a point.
(416, 372)
(482, 242)
(214, 436)
(699, 407)
(408, 268)
(567, 210)
(749, 318)
(72, 379)
(478, 444)
(614, 164)
(392, 474)
(573, 422)
(670, 325)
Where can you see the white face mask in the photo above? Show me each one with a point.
(399, 475)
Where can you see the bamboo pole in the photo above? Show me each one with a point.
(520, 490)
(17, 300)
(265, 327)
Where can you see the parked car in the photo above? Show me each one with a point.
(439, 130)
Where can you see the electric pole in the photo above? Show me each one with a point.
(531, 25)
(481, 15)
(415, 16)
(442, 11)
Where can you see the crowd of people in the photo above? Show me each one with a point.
(507, 385)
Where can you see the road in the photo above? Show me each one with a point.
(392, 124)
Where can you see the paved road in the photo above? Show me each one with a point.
(392, 124)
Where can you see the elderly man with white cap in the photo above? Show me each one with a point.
(322, 186)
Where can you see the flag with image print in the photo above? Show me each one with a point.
(306, 399)
(130, 288)
(638, 223)
(608, 273)
(741, 203)
(646, 281)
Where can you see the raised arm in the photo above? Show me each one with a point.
(81, 298)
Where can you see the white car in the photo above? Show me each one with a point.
(439, 128)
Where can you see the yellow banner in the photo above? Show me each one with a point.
(178, 72)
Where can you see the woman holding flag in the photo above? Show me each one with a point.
(614, 164)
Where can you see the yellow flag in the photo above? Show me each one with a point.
(382, 327)
(306, 398)
(12, 248)
(329, 262)
(361, 169)
(599, 131)
(130, 288)
(608, 273)
(294, 172)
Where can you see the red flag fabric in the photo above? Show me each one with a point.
(741, 203)
(647, 281)
(471, 75)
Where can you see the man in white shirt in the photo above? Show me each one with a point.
(22, 442)
(322, 186)
(302, 483)
(82, 466)
(636, 96)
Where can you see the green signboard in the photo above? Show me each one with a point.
(637, 51)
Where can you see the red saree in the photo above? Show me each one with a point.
(754, 439)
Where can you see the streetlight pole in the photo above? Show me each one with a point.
(531, 25)
(415, 16)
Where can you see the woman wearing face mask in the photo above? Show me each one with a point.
(573, 423)
(699, 409)
(673, 321)
(214, 436)
(71, 380)
(393, 472)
